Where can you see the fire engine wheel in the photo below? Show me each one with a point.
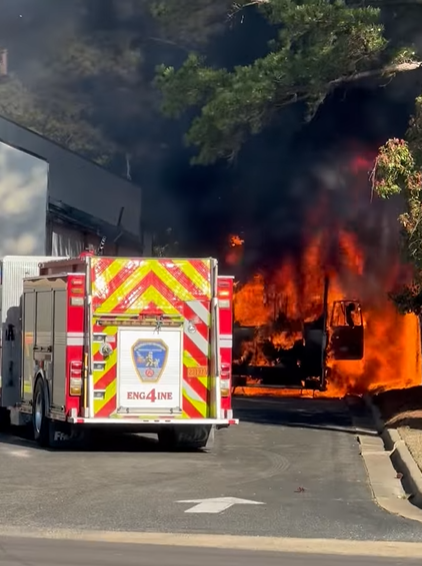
(4, 418)
(184, 437)
(40, 422)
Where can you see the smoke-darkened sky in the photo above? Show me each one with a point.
(268, 192)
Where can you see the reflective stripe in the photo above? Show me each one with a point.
(75, 339)
(191, 393)
(200, 311)
(195, 400)
(126, 419)
(200, 342)
(226, 341)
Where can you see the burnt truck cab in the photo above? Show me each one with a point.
(346, 330)
(337, 334)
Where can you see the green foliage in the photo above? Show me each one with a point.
(398, 170)
(190, 22)
(79, 78)
(395, 169)
(17, 103)
(59, 119)
(72, 91)
(319, 45)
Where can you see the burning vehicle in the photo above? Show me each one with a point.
(296, 353)
(317, 315)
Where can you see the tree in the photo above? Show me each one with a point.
(78, 68)
(25, 96)
(57, 119)
(190, 22)
(79, 80)
(319, 46)
(398, 170)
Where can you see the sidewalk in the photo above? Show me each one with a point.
(402, 410)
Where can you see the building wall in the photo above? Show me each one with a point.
(68, 241)
(79, 183)
(23, 202)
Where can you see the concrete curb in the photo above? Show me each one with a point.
(400, 455)
(337, 547)
(390, 466)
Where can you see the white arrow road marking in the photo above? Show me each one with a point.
(216, 504)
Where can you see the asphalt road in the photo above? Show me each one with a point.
(18, 552)
(299, 458)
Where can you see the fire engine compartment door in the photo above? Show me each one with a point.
(150, 370)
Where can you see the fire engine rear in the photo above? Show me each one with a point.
(120, 342)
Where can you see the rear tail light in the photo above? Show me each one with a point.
(77, 292)
(225, 380)
(75, 378)
(224, 299)
(75, 386)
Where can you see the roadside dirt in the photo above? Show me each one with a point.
(402, 409)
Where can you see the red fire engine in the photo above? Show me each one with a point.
(119, 342)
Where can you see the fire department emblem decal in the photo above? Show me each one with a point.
(150, 359)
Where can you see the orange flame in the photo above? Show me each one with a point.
(236, 241)
(295, 292)
(235, 254)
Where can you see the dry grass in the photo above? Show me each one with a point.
(402, 409)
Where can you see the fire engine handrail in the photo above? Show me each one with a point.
(217, 358)
(216, 339)
(88, 377)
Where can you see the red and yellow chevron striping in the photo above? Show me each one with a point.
(104, 373)
(116, 283)
(180, 288)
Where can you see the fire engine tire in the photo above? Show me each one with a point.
(40, 422)
(185, 437)
(167, 438)
(4, 418)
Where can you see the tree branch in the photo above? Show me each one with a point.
(390, 3)
(168, 42)
(286, 99)
(389, 70)
(237, 6)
